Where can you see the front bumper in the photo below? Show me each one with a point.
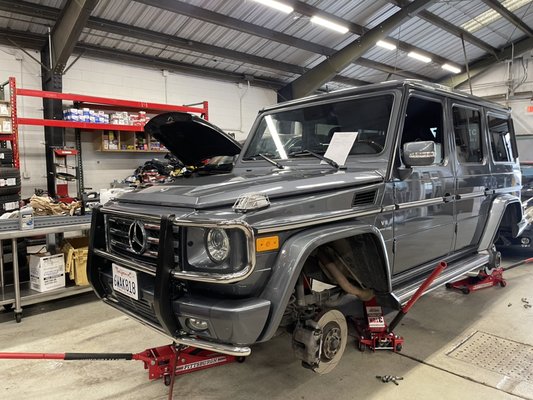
(165, 303)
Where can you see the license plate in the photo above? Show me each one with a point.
(125, 281)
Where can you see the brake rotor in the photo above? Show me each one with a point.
(334, 336)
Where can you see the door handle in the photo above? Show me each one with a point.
(447, 197)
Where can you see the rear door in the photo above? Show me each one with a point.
(473, 182)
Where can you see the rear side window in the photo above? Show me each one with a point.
(500, 137)
(467, 130)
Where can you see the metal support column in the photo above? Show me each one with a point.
(52, 109)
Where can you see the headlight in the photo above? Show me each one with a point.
(217, 244)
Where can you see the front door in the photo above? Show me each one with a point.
(424, 215)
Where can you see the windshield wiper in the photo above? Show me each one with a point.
(267, 158)
(316, 155)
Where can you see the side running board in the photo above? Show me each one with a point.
(454, 270)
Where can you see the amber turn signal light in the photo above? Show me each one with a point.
(267, 243)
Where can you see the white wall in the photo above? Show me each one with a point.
(15, 63)
(510, 80)
(232, 107)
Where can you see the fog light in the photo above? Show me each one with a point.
(196, 324)
(525, 241)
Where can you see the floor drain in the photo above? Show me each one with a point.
(497, 354)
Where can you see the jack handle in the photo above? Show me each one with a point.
(526, 261)
(420, 291)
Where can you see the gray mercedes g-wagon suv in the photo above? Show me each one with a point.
(363, 189)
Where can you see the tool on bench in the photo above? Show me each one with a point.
(159, 361)
(373, 331)
(485, 278)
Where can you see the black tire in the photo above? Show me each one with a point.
(448, 286)
(503, 283)
(6, 157)
(9, 181)
(465, 290)
(10, 202)
(18, 317)
(362, 346)
(399, 347)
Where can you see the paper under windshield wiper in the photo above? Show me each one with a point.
(316, 155)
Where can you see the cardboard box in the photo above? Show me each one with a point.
(47, 272)
(75, 251)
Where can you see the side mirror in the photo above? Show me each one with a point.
(417, 154)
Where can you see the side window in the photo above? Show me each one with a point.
(500, 138)
(467, 129)
(423, 122)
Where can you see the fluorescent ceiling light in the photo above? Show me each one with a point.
(277, 5)
(490, 16)
(386, 45)
(329, 24)
(419, 57)
(451, 68)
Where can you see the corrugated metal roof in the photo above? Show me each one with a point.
(416, 32)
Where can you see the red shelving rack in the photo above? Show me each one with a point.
(101, 103)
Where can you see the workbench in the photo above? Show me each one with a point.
(19, 293)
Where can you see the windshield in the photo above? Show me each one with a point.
(291, 133)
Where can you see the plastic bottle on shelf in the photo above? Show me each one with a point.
(26, 218)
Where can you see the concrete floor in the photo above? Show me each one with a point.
(438, 323)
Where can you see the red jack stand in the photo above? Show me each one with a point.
(481, 281)
(159, 361)
(375, 334)
(484, 280)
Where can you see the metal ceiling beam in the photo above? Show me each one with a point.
(509, 16)
(308, 10)
(478, 67)
(212, 17)
(67, 30)
(323, 72)
(163, 63)
(35, 41)
(24, 40)
(118, 28)
(448, 27)
(29, 9)
(390, 70)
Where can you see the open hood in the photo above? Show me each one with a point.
(190, 138)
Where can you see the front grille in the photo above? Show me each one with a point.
(118, 229)
(139, 307)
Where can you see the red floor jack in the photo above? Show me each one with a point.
(159, 361)
(375, 334)
(484, 279)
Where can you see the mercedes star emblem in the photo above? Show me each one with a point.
(137, 237)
